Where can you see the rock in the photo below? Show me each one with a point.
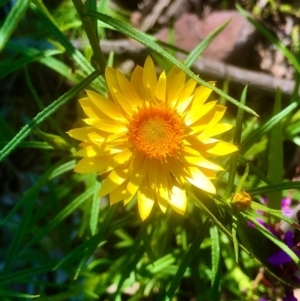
(233, 45)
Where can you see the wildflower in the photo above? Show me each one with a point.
(153, 138)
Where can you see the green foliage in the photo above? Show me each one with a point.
(62, 242)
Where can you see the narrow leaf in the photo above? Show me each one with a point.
(293, 60)
(142, 38)
(198, 50)
(187, 259)
(255, 135)
(12, 20)
(275, 156)
(61, 216)
(274, 187)
(236, 141)
(16, 294)
(41, 116)
(215, 256)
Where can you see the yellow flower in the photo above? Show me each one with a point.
(151, 137)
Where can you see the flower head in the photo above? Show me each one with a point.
(152, 137)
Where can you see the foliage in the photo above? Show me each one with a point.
(61, 242)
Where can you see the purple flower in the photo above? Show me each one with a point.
(285, 207)
(289, 296)
(280, 257)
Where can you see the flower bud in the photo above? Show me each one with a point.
(241, 200)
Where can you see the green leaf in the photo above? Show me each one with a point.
(198, 50)
(215, 259)
(30, 55)
(257, 134)
(96, 239)
(273, 238)
(234, 239)
(242, 179)
(95, 209)
(142, 38)
(18, 237)
(187, 259)
(274, 187)
(90, 26)
(160, 264)
(16, 294)
(12, 20)
(64, 41)
(30, 144)
(2, 2)
(52, 172)
(293, 60)
(26, 273)
(275, 156)
(236, 141)
(275, 213)
(41, 116)
(63, 214)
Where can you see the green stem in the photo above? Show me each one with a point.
(90, 28)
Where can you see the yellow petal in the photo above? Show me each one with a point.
(178, 199)
(210, 174)
(97, 150)
(201, 94)
(195, 113)
(90, 109)
(163, 189)
(105, 125)
(222, 148)
(122, 101)
(160, 92)
(137, 81)
(219, 113)
(85, 144)
(117, 194)
(186, 92)
(175, 82)
(88, 134)
(111, 79)
(175, 168)
(136, 177)
(184, 104)
(216, 129)
(202, 162)
(199, 180)
(105, 105)
(163, 206)
(145, 204)
(127, 90)
(149, 77)
(116, 177)
(102, 164)
(87, 165)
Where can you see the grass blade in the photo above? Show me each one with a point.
(275, 156)
(189, 255)
(12, 20)
(236, 141)
(61, 216)
(293, 60)
(198, 50)
(255, 135)
(41, 116)
(142, 38)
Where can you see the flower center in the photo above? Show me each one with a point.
(156, 132)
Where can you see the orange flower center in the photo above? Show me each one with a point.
(156, 132)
